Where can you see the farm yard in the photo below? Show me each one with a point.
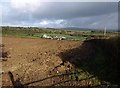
(35, 61)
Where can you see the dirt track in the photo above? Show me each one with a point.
(31, 60)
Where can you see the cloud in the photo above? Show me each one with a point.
(44, 22)
(63, 10)
(26, 5)
(71, 1)
(60, 14)
(75, 9)
(109, 20)
(53, 23)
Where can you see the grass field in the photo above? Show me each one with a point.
(39, 32)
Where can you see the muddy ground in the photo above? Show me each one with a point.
(39, 62)
(36, 62)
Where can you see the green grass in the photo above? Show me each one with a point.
(38, 32)
(39, 35)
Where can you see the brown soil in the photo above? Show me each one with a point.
(39, 62)
(33, 61)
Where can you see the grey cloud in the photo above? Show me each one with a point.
(79, 14)
(69, 10)
(101, 20)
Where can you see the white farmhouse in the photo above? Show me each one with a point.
(45, 36)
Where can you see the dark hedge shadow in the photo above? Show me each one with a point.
(98, 57)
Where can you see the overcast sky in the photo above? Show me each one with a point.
(59, 14)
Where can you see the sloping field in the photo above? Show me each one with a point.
(44, 62)
(33, 59)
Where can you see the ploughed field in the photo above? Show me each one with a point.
(44, 62)
(36, 62)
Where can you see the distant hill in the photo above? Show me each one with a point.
(88, 29)
(68, 28)
(76, 28)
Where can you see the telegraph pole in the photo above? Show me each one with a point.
(105, 31)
